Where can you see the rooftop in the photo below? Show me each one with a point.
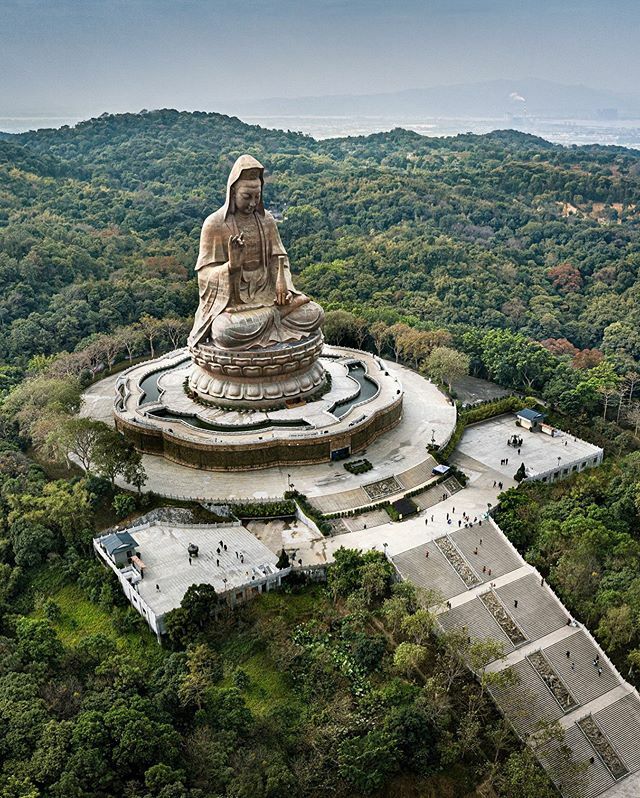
(530, 415)
(487, 443)
(118, 540)
(163, 550)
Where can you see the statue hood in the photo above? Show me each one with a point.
(243, 162)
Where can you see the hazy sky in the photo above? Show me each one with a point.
(89, 56)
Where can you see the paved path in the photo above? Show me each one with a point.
(427, 413)
(551, 649)
(538, 613)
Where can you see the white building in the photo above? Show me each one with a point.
(156, 564)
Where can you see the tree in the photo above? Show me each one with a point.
(123, 505)
(618, 628)
(31, 542)
(381, 335)
(365, 762)
(633, 416)
(522, 777)
(198, 609)
(398, 336)
(410, 658)
(340, 327)
(520, 474)
(62, 505)
(175, 329)
(114, 455)
(38, 642)
(74, 439)
(419, 627)
(204, 670)
(131, 338)
(447, 365)
(283, 560)
(151, 329)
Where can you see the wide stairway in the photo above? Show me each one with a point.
(556, 673)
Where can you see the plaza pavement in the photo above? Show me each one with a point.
(427, 415)
(608, 700)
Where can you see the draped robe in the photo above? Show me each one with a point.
(239, 310)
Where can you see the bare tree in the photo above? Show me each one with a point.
(633, 415)
(130, 338)
(175, 329)
(151, 329)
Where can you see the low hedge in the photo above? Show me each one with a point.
(277, 509)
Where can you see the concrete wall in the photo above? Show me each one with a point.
(244, 457)
(565, 470)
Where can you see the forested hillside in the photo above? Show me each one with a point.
(504, 253)
(99, 224)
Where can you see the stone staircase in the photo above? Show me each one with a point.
(547, 686)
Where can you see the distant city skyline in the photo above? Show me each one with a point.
(89, 56)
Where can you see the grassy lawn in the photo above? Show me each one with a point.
(81, 617)
(269, 687)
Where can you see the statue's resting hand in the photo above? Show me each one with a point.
(236, 253)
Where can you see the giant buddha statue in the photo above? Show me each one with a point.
(255, 339)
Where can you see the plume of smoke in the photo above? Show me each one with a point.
(517, 98)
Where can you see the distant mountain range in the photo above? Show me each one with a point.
(495, 98)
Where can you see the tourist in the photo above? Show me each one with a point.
(489, 571)
(515, 603)
(426, 521)
(189, 560)
(218, 563)
(431, 519)
(157, 587)
(599, 671)
(475, 551)
(426, 554)
(481, 541)
(484, 569)
(568, 655)
(494, 483)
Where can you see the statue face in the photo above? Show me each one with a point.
(247, 195)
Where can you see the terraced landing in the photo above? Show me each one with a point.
(551, 664)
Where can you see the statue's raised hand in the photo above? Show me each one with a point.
(236, 253)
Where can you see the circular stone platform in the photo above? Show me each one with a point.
(153, 409)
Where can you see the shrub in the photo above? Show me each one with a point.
(123, 505)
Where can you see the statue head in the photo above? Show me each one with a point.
(244, 186)
(245, 195)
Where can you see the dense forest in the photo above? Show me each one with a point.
(99, 224)
(500, 254)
